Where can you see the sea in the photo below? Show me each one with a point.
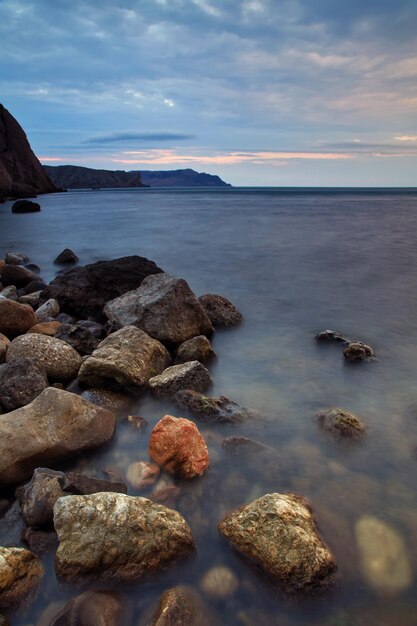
(295, 262)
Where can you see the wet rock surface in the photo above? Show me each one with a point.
(177, 445)
(60, 361)
(164, 307)
(190, 375)
(195, 349)
(221, 311)
(126, 359)
(113, 537)
(341, 423)
(21, 381)
(55, 426)
(15, 318)
(180, 606)
(83, 291)
(278, 533)
(214, 409)
(20, 575)
(356, 351)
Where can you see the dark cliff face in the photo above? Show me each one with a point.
(21, 173)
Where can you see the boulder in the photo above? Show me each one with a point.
(164, 307)
(46, 328)
(21, 381)
(384, 556)
(126, 359)
(83, 291)
(221, 311)
(212, 409)
(340, 423)
(177, 445)
(79, 337)
(4, 346)
(66, 256)
(25, 206)
(191, 375)
(55, 426)
(20, 575)
(180, 606)
(93, 608)
(112, 537)
(279, 534)
(60, 361)
(50, 308)
(195, 349)
(15, 318)
(357, 351)
(17, 275)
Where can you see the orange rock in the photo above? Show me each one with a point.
(178, 446)
(45, 328)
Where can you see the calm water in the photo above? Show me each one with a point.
(294, 263)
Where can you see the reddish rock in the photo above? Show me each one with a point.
(20, 575)
(45, 328)
(178, 446)
(15, 318)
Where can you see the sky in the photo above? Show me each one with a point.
(259, 92)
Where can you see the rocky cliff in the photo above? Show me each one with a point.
(21, 174)
(75, 177)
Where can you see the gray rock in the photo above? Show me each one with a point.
(30, 298)
(60, 361)
(55, 426)
(212, 409)
(20, 575)
(113, 537)
(278, 533)
(191, 375)
(164, 307)
(195, 349)
(341, 423)
(221, 311)
(49, 309)
(126, 359)
(21, 381)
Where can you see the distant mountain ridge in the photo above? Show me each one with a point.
(76, 177)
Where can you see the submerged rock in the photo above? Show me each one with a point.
(113, 537)
(221, 311)
(178, 446)
(21, 381)
(219, 582)
(180, 606)
(190, 375)
(142, 474)
(244, 446)
(212, 409)
(93, 608)
(55, 426)
(357, 351)
(111, 400)
(195, 349)
(126, 359)
(278, 533)
(164, 307)
(20, 575)
(341, 423)
(15, 318)
(384, 557)
(331, 335)
(25, 206)
(60, 361)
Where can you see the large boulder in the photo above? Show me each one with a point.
(177, 445)
(60, 361)
(126, 359)
(164, 307)
(191, 375)
(17, 275)
(111, 537)
(21, 381)
(20, 575)
(55, 426)
(83, 291)
(221, 311)
(93, 608)
(279, 534)
(15, 318)
(214, 409)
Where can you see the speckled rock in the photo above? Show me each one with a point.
(190, 375)
(195, 349)
(126, 359)
(384, 556)
(113, 537)
(212, 409)
(340, 423)
(21, 381)
(164, 307)
(177, 445)
(60, 361)
(180, 606)
(15, 318)
(55, 426)
(50, 308)
(221, 311)
(4, 345)
(278, 532)
(357, 351)
(219, 582)
(20, 575)
(46, 328)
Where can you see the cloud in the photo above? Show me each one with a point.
(406, 138)
(128, 136)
